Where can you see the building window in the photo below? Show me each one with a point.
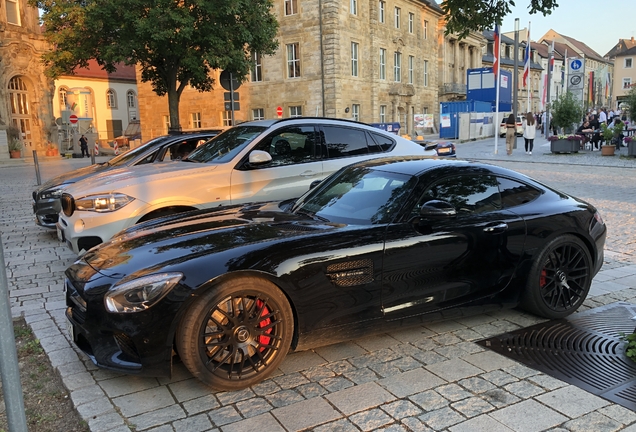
(425, 73)
(166, 124)
(381, 9)
(355, 112)
(382, 63)
(354, 59)
(628, 63)
(425, 29)
(411, 66)
(353, 7)
(411, 22)
(62, 94)
(627, 82)
(257, 67)
(131, 99)
(111, 99)
(13, 12)
(397, 17)
(397, 67)
(291, 7)
(195, 120)
(227, 118)
(258, 114)
(382, 113)
(295, 111)
(293, 61)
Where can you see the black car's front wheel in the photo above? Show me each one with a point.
(236, 334)
(559, 279)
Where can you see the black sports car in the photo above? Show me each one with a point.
(377, 244)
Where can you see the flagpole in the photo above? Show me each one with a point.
(549, 84)
(529, 79)
(496, 67)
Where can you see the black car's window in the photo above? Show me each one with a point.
(514, 193)
(290, 145)
(386, 144)
(225, 146)
(181, 149)
(126, 157)
(469, 194)
(342, 141)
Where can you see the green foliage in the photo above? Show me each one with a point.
(464, 16)
(630, 349)
(631, 103)
(15, 144)
(567, 111)
(175, 44)
(611, 132)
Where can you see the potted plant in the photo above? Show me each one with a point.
(565, 143)
(15, 148)
(567, 111)
(631, 145)
(610, 135)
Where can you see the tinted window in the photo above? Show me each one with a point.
(343, 142)
(514, 193)
(224, 147)
(290, 145)
(128, 156)
(469, 194)
(385, 143)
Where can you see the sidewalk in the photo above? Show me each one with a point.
(426, 378)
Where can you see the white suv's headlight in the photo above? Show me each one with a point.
(103, 202)
(140, 294)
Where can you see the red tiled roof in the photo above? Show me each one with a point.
(94, 70)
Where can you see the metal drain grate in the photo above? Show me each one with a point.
(584, 350)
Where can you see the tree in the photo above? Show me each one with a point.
(630, 103)
(175, 43)
(464, 16)
(567, 112)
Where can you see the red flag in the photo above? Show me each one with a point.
(496, 48)
(526, 66)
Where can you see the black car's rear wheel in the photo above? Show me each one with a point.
(236, 334)
(559, 279)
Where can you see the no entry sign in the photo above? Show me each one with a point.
(73, 119)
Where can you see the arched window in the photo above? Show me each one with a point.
(62, 94)
(131, 102)
(20, 116)
(111, 99)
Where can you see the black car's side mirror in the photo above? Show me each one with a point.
(314, 183)
(437, 209)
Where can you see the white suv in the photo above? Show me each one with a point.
(254, 161)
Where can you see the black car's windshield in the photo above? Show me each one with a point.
(131, 154)
(361, 196)
(225, 146)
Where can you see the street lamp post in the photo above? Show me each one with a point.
(515, 74)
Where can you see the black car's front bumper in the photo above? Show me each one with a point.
(46, 211)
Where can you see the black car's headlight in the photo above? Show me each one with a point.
(140, 294)
(51, 193)
(103, 202)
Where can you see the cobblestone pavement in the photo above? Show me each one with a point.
(426, 378)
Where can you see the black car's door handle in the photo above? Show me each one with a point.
(498, 228)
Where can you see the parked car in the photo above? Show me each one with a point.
(518, 123)
(378, 244)
(443, 148)
(254, 161)
(46, 205)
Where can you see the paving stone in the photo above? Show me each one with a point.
(265, 387)
(359, 398)
(336, 384)
(477, 385)
(499, 398)
(445, 326)
(454, 370)
(499, 377)
(343, 425)
(593, 422)
(62, 356)
(158, 417)
(227, 398)
(488, 360)
(224, 415)
(572, 401)
(447, 339)
(291, 381)
(405, 349)
(340, 351)
(198, 423)
(451, 351)
(453, 392)
(189, 389)
(406, 363)
(86, 394)
(126, 384)
(401, 409)
(547, 382)
(144, 401)
(429, 357)
(380, 356)
(306, 414)
(482, 423)
(371, 419)
(318, 373)
(441, 418)
(253, 407)
(340, 367)
(71, 368)
(472, 407)
(467, 334)
(361, 376)
(107, 422)
(427, 344)
(377, 342)
(302, 360)
(528, 416)
(429, 400)
(411, 382)
(201, 404)
(524, 389)
(415, 425)
(162, 428)
(95, 407)
(78, 381)
(385, 369)
(619, 413)
(520, 371)
(284, 398)
(311, 390)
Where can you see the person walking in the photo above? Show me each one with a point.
(84, 146)
(511, 133)
(529, 132)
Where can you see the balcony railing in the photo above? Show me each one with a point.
(454, 88)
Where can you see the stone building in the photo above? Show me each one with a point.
(25, 93)
(455, 58)
(623, 56)
(371, 60)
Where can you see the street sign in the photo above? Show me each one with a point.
(228, 106)
(227, 96)
(228, 82)
(279, 112)
(73, 119)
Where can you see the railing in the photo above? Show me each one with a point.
(447, 88)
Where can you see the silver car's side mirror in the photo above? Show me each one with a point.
(259, 157)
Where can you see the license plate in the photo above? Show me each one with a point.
(443, 150)
(71, 330)
(60, 233)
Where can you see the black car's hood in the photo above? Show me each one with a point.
(74, 176)
(165, 243)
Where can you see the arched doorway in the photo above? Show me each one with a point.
(20, 112)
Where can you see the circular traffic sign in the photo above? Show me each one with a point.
(73, 119)
(228, 82)
(576, 64)
(279, 111)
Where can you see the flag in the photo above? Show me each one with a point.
(526, 66)
(608, 78)
(590, 85)
(495, 53)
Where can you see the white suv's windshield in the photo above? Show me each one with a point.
(225, 146)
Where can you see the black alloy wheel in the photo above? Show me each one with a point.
(236, 334)
(559, 279)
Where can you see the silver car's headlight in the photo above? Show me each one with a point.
(103, 202)
(140, 294)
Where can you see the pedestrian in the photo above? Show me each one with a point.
(529, 132)
(511, 133)
(84, 146)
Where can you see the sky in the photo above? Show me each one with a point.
(597, 23)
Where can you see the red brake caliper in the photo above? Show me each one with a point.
(263, 340)
(542, 278)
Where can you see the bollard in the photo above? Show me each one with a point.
(9, 370)
(37, 167)
(116, 148)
